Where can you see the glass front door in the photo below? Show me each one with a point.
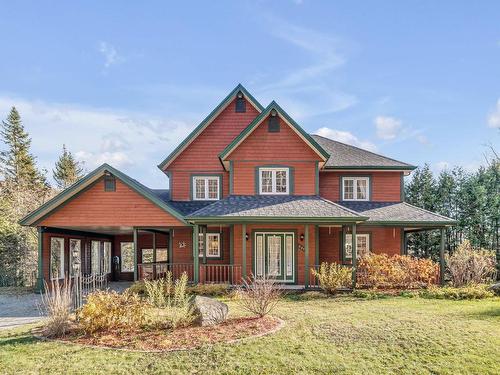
(274, 255)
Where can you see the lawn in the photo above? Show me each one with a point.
(335, 335)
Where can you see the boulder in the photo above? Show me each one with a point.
(209, 311)
(495, 288)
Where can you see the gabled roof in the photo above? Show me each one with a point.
(344, 156)
(275, 208)
(208, 120)
(397, 213)
(71, 192)
(323, 154)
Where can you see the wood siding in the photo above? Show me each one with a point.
(95, 207)
(386, 186)
(202, 155)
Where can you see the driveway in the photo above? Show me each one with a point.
(18, 309)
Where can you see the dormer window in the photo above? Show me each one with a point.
(274, 123)
(206, 188)
(241, 104)
(274, 181)
(355, 188)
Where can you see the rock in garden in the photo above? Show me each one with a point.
(495, 288)
(209, 311)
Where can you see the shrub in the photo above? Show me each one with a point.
(158, 292)
(137, 287)
(398, 271)
(57, 304)
(259, 295)
(477, 291)
(332, 276)
(368, 294)
(470, 266)
(215, 290)
(106, 311)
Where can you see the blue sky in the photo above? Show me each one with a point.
(124, 82)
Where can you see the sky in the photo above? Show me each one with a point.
(124, 82)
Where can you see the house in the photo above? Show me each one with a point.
(250, 192)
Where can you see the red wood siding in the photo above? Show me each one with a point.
(383, 240)
(202, 155)
(123, 207)
(386, 186)
(304, 180)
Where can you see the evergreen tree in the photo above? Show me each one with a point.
(67, 170)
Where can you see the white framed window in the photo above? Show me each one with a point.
(127, 256)
(362, 245)
(274, 181)
(161, 255)
(56, 258)
(355, 188)
(212, 241)
(206, 188)
(75, 248)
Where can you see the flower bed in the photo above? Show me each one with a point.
(192, 337)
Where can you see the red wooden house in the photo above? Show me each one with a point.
(250, 193)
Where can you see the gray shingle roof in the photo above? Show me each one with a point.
(184, 207)
(396, 212)
(343, 156)
(276, 206)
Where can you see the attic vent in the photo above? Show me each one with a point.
(109, 182)
(241, 104)
(274, 124)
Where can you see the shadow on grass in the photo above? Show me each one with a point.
(21, 338)
(492, 312)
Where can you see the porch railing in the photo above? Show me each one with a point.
(220, 274)
(154, 271)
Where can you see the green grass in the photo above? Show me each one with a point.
(322, 335)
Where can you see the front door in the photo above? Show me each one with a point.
(274, 255)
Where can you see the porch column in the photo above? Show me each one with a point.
(204, 243)
(244, 251)
(441, 258)
(154, 247)
(136, 267)
(354, 256)
(39, 279)
(231, 253)
(196, 254)
(306, 255)
(316, 243)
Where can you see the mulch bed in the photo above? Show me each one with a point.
(193, 337)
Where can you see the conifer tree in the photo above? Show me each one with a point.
(67, 170)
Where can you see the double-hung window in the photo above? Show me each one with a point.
(56, 258)
(355, 188)
(212, 241)
(206, 188)
(362, 245)
(274, 181)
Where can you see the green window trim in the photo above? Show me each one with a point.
(344, 232)
(290, 178)
(369, 186)
(192, 189)
(221, 245)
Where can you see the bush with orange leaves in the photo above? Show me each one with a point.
(397, 271)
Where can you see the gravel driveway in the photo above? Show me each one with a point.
(18, 309)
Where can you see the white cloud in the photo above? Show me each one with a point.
(387, 127)
(441, 165)
(494, 117)
(345, 137)
(128, 140)
(110, 54)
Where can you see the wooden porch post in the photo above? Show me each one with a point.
(136, 270)
(244, 251)
(441, 258)
(204, 243)
(39, 279)
(196, 254)
(354, 256)
(154, 247)
(316, 243)
(231, 253)
(306, 256)
(170, 250)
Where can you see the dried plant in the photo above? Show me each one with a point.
(333, 276)
(471, 266)
(259, 295)
(57, 305)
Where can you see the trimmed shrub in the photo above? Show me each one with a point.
(397, 271)
(57, 304)
(106, 311)
(259, 295)
(213, 290)
(477, 291)
(333, 276)
(471, 266)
